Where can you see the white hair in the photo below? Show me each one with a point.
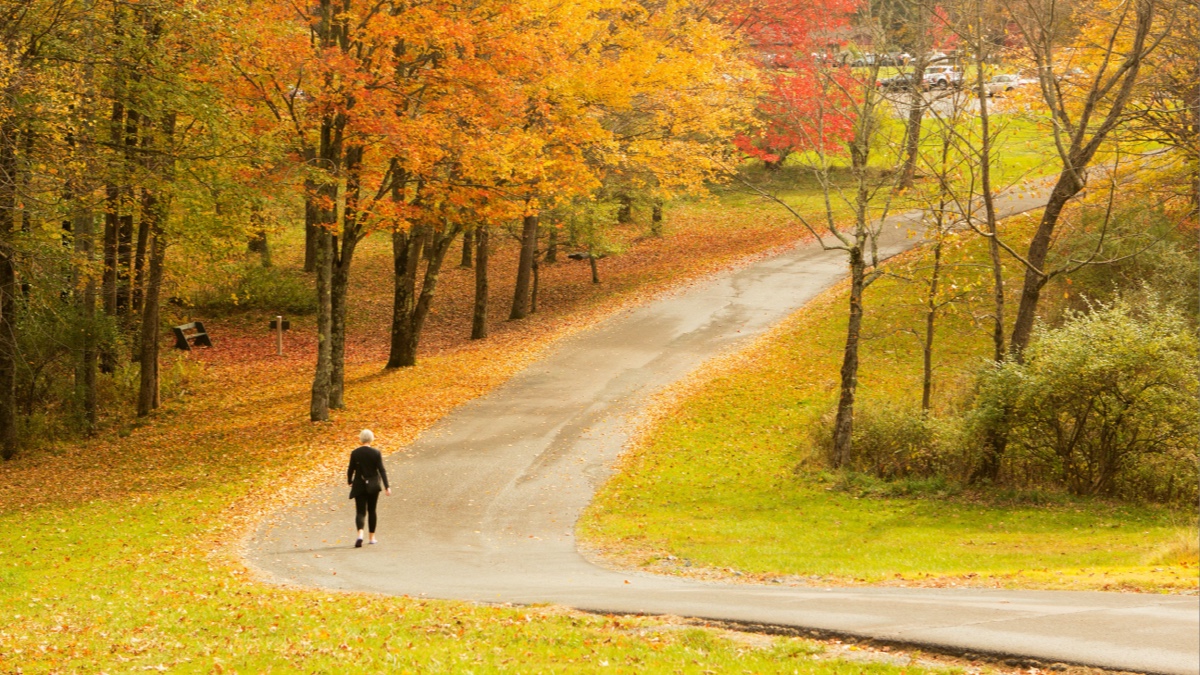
(366, 437)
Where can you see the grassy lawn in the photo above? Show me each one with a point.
(724, 479)
(1023, 150)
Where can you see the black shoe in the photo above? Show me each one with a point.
(358, 543)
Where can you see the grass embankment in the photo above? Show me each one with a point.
(724, 478)
(118, 554)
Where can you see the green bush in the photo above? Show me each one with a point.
(270, 289)
(1149, 261)
(1103, 405)
(891, 441)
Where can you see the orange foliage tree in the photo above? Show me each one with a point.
(423, 119)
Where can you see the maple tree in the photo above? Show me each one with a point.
(794, 46)
(430, 119)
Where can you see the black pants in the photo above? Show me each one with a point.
(364, 504)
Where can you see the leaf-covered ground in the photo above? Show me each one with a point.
(722, 483)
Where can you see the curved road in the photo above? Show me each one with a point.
(484, 503)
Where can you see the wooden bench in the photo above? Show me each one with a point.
(184, 340)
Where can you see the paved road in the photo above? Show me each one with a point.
(485, 502)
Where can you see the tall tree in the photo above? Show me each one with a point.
(156, 212)
(479, 312)
(849, 102)
(1085, 106)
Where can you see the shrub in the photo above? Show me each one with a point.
(1150, 261)
(1104, 405)
(270, 289)
(891, 441)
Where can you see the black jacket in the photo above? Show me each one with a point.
(365, 471)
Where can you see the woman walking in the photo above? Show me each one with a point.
(364, 477)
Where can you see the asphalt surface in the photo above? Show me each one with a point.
(484, 504)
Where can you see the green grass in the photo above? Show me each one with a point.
(1023, 149)
(726, 478)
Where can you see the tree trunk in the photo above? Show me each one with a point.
(330, 157)
(139, 256)
(995, 441)
(27, 177)
(125, 273)
(595, 270)
(124, 258)
(439, 246)
(310, 216)
(8, 346)
(427, 250)
(112, 214)
(656, 218)
(125, 228)
(82, 239)
(156, 209)
(529, 234)
(931, 309)
(112, 209)
(997, 292)
(533, 294)
(319, 406)
(916, 102)
(148, 391)
(479, 316)
(83, 231)
(552, 246)
(258, 243)
(407, 326)
(337, 327)
(1035, 278)
(625, 212)
(326, 221)
(406, 260)
(468, 244)
(8, 291)
(1075, 157)
(844, 424)
(88, 358)
(351, 235)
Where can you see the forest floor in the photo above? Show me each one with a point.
(723, 481)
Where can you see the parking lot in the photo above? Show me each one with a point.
(945, 102)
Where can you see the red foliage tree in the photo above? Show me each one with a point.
(797, 47)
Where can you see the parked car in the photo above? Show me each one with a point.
(1002, 83)
(901, 82)
(941, 77)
